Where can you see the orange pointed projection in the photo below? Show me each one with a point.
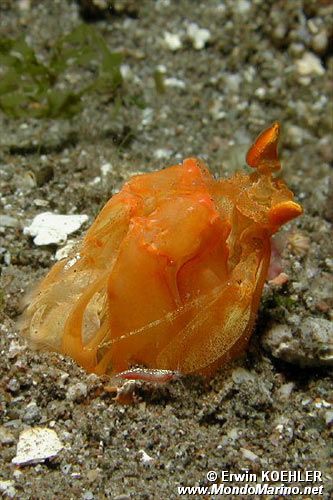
(170, 274)
(263, 153)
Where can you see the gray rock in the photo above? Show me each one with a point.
(309, 344)
(7, 488)
(241, 375)
(8, 221)
(77, 392)
(329, 417)
(6, 437)
(13, 385)
(88, 495)
(249, 455)
(320, 42)
(32, 413)
(285, 391)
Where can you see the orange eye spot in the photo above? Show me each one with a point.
(263, 153)
(284, 212)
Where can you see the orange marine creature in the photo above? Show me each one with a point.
(170, 274)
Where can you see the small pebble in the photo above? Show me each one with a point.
(172, 41)
(7, 258)
(88, 495)
(309, 344)
(232, 82)
(309, 64)
(92, 475)
(296, 49)
(77, 392)
(260, 92)
(160, 154)
(26, 181)
(319, 42)
(285, 390)
(41, 203)
(321, 403)
(249, 455)
(8, 221)
(7, 488)
(216, 110)
(106, 169)
(174, 82)
(65, 251)
(329, 417)
(279, 33)
(6, 437)
(145, 458)
(198, 36)
(296, 136)
(32, 413)
(24, 5)
(65, 469)
(241, 375)
(233, 434)
(13, 385)
(147, 116)
(242, 6)
(15, 348)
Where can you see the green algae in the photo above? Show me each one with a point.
(31, 88)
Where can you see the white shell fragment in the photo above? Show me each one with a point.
(172, 41)
(36, 445)
(7, 488)
(145, 458)
(162, 153)
(106, 169)
(309, 64)
(198, 36)
(48, 228)
(65, 251)
(174, 82)
(249, 455)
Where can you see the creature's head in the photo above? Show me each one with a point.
(263, 156)
(261, 199)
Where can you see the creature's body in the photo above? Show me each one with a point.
(170, 274)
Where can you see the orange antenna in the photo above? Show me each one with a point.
(263, 153)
